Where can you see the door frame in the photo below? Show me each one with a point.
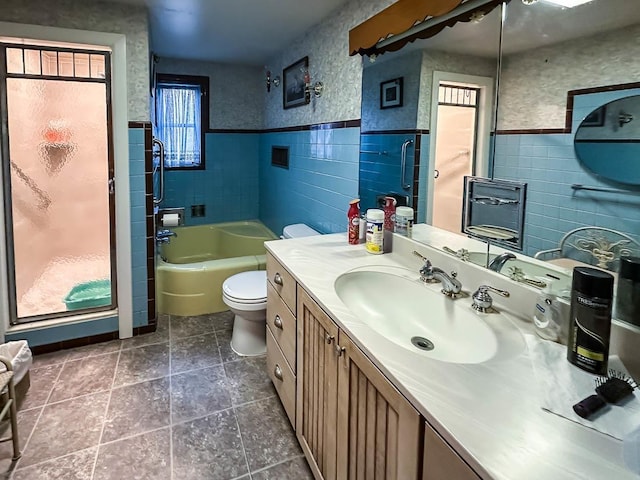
(117, 44)
(483, 130)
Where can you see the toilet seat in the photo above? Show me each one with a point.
(246, 288)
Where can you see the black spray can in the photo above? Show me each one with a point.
(590, 322)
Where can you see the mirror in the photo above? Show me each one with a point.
(557, 66)
(607, 142)
(450, 77)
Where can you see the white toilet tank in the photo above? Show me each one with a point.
(298, 230)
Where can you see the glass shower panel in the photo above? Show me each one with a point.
(58, 146)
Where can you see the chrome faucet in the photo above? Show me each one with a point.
(451, 286)
(164, 236)
(482, 301)
(160, 234)
(498, 262)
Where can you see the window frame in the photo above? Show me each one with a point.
(203, 83)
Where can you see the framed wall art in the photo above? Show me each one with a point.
(391, 93)
(294, 92)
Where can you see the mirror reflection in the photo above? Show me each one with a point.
(557, 66)
(446, 113)
(607, 142)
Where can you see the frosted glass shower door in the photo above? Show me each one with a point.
(60, 204)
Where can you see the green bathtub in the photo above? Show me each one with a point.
(191, 268)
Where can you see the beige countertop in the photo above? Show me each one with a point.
(490, 413)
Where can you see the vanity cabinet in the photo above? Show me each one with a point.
(440, 461)
(352, 422)
(281, 334)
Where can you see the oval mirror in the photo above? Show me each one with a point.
(607, 141)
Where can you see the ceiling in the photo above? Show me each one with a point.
(230, 31)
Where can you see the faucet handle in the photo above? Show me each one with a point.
(420, 256)
(482, 301)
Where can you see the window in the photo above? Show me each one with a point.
(182, 116)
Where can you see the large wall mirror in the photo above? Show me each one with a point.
(420, 148)
(557, 67)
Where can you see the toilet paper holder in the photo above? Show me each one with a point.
(169, 213)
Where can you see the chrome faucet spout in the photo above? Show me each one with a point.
(451, 286)
(497, 263)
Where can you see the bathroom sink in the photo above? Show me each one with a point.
(422, 320)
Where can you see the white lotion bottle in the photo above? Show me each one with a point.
(546, 316)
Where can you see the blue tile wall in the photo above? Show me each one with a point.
(228, 187)
(60, 333)
(549, 165)
(380, 170)
(138, 226)
(423, 174)
(321, 179)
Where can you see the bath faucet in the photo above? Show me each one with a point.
(497, 263)
(161, 234)
(482, 301)
(451, 286)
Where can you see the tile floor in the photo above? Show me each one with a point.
(175, 404)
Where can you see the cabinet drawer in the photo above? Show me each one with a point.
(283, 325)
(282, 377)
(282, 282)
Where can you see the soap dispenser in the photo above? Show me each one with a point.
(547, 318)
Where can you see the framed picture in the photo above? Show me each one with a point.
(391, 93)
(294, 93)
(595, 118)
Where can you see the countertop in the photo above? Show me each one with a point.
(490, 413)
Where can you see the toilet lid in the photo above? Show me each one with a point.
(247, 286)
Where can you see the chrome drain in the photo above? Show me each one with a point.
(423, 343)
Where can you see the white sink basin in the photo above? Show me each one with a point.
(562, 281)
(401, 309)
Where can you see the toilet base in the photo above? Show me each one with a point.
(249, 336)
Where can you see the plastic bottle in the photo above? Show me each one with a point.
(389, 213)
(404, 221)
(354, 221)
(590, 322)
(546, 315)
(389, 222)
(375, 231)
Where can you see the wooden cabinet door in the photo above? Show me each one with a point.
(441, 462)
(378, 429)
(317, 375)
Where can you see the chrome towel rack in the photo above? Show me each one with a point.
(577, 186)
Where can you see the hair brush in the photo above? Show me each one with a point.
(611, 389)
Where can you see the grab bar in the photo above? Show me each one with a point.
(45, 201)
(403, 165)
(155, 141)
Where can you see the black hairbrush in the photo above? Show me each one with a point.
(612, 389)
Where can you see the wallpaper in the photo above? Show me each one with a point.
(534, 84)
(98, 17)
(327, 46)
(236, 92)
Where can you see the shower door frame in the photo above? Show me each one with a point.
(10, 278)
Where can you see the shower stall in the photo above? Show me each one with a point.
(58, 175)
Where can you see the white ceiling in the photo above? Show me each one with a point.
(230, 31)
(251, 32)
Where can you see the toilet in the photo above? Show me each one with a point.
(245, 294)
